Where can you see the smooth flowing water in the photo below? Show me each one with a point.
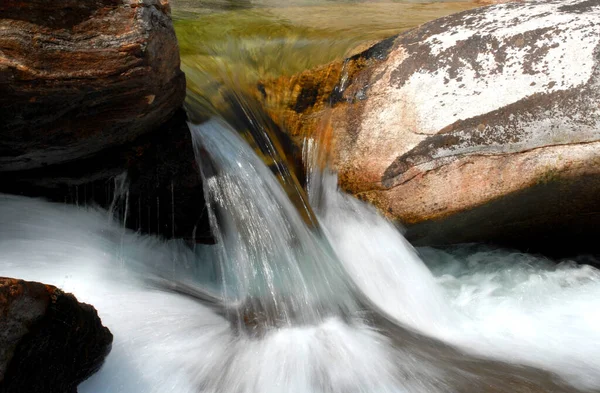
(225, 41)
(272, 265)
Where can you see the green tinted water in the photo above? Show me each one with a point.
(240, 42)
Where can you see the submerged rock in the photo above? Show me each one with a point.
(77, 77)
(49, 342)
(480, 126)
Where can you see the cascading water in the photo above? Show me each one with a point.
(361, 315)
(273, 267)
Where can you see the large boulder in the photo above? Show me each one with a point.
(90, 101)
(79, 76)
(49, 342)
(484, 125)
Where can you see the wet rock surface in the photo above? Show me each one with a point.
(464, 112)
(49, 342)
(151, 185)
(78, 77)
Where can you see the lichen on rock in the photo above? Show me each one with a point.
(463, 111)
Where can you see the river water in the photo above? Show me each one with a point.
(299, 297)
(283, 304)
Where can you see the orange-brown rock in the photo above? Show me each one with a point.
(79, 76)
(473, 127)
(301, 102)
(48, 341)
(490, 2)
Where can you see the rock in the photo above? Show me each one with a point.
(48, 341)
(480, 126)
(90, 91)
(490, 2)
(151, 185)
(78, 77)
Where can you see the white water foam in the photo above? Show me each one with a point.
(168, 343)
(504, 305)
(524, 308)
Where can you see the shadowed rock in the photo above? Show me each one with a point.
(150, 185)
(91, 91)
(49, 342)
(77, 77)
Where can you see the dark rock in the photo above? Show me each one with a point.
(49, 342)
(90, 102)
(78, 77)
(151, 185)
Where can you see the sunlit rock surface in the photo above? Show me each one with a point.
(483, 125)
(48, 341)
(77, 77)
(489, 2)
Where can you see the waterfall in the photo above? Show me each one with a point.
(279, 305)
(274, 268)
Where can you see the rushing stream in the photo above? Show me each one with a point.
(319, 296)
(316, 334)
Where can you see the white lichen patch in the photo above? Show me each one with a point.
(535, 133)
(507, 20)
(518, 51)
(566, 61)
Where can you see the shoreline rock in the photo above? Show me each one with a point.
(151, 185)
(49, 342)
(463, 112)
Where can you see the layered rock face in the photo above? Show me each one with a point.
(90, 90)
(77, 77)
(49, 342)
(151, 185)
(483, 125)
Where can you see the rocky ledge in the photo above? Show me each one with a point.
(89, 91)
